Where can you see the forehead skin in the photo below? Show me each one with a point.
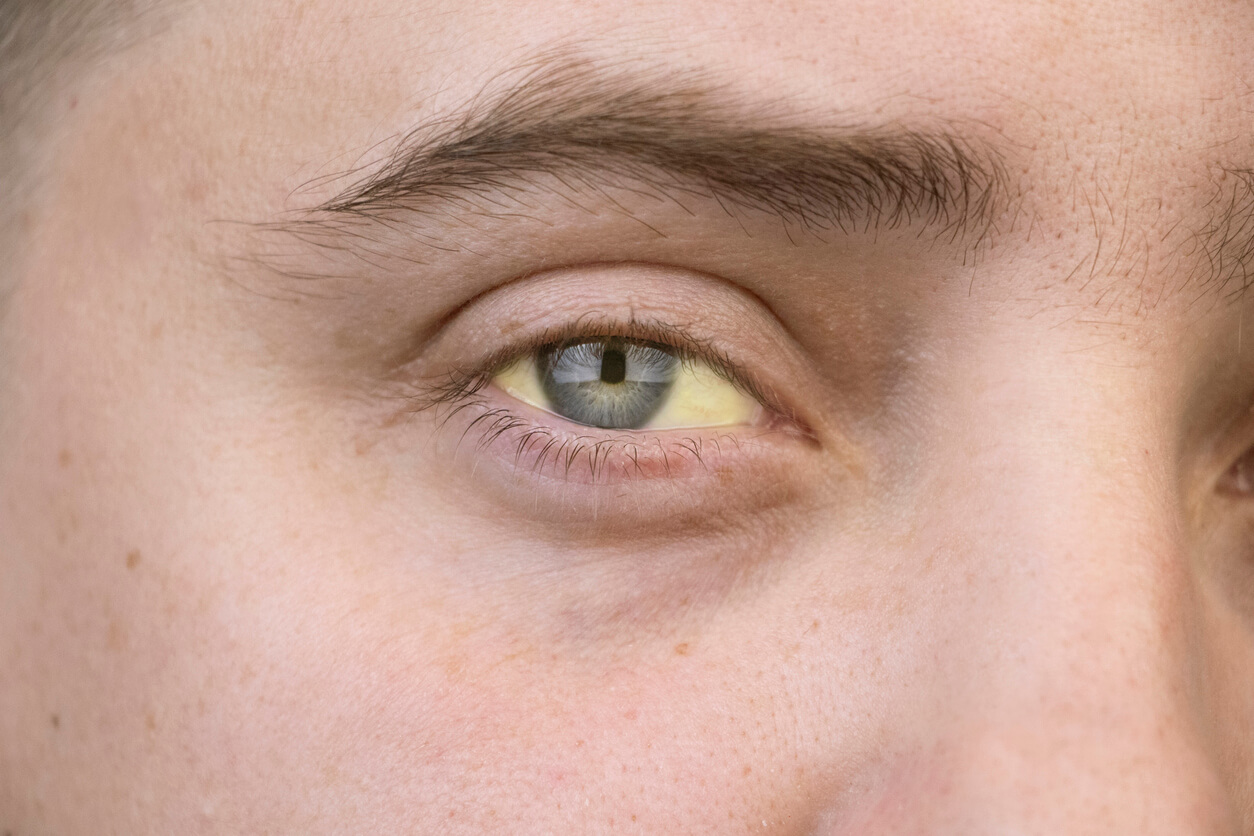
(227, 608)
(1127, 113)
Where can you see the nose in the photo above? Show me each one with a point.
(1063, 687)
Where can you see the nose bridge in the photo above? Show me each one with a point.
(1066, 659)
(1072, 701)
(1074, 560)
(1070, 536)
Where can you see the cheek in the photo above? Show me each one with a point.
(326, 684)
(415, 716)
(237, 629)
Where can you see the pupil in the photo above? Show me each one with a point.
(607, 382)
(613, 366)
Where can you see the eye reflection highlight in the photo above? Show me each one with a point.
(623, 384)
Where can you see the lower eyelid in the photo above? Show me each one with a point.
(604, 488)
(525, 440)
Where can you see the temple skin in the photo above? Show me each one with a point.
(987, 570)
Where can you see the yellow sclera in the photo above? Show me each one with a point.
(699, 397)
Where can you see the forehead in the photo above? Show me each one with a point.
(1127, 61)
(846, 53)
(1183, 66)
(1124, 125)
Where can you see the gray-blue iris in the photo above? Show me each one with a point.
(610, 383)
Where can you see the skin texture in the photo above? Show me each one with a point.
(1003, 584)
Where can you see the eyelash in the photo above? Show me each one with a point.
(460, 390)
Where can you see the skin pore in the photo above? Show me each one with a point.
(280, 551)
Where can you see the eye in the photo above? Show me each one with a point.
(630, 380)
(1239, 479)
(624, 384)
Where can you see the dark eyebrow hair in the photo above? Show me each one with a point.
(673, 135)
(1225, 257)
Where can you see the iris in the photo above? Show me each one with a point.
(611, 383)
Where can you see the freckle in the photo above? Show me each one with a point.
(681, 649)
(64, 458)
(747, 770)
(195, 192)
(73, 102)
(56, 721)
(150, 720)
(158, 328)
(132, 558)
(116, 636)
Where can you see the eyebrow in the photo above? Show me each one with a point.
(675, 136)
(1225, 257)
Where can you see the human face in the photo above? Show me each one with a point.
(297, 534)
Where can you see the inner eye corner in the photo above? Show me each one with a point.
(1238, 480)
